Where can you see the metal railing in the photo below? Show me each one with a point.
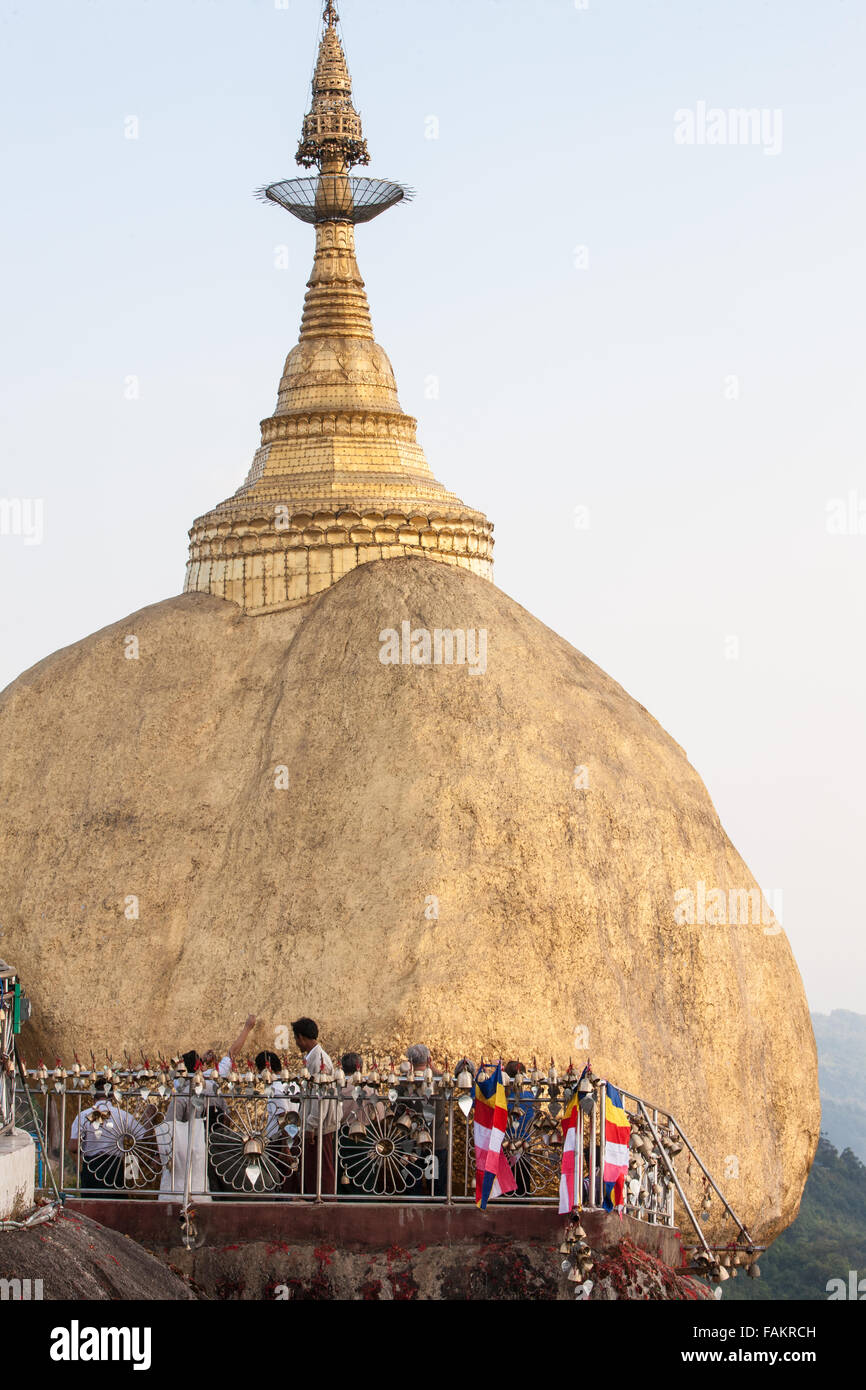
(168, 1135)
(181, 1137)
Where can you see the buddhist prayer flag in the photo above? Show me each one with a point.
(616, 1136)
(493, 1176)
(568, 1198)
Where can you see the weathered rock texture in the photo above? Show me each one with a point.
(150, 785)
(493, 1269)
(75, 1258)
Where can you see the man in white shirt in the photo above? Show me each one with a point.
(105, 1134)
(316, 1060)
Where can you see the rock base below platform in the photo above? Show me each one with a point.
(494, 1269)
(72, 1257)
(303, 1251)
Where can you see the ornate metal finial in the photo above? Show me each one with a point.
(332, 137)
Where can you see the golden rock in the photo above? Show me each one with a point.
(155, 784)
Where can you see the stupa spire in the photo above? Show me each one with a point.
(332, 137)
(339, 479)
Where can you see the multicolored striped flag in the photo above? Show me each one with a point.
(568, 1198)
(616, 1136)
(493, 1175)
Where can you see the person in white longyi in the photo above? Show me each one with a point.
(185, 1124)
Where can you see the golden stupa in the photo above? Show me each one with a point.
(339, 478)
(228, 802)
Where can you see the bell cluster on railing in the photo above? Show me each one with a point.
(648, 1183)
(578, 1263)
(112, 1078)
(719, 1265)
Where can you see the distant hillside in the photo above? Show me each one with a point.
(841, 1039)
(827, 1240)
(829, 1236)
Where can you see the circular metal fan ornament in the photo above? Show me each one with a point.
(534, 1160)
(250, 1148)
(382, 1160)
(335, 197)
(128, 1153)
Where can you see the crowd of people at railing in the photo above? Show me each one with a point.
(303, 1120)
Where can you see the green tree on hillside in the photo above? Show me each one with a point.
(827, 1240)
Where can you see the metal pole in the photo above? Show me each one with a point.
(449, 1188)
(602, 1130)
(581, 1122)
(303, 1137)
(578, 1154)
(337, 1131)
(39, 1135)
(78, 1149)
(728, 1208)
(654, 1206)
(593, 1135)
(320, 1128)
(189, 1142)
(62, 1137)
(173, 1109)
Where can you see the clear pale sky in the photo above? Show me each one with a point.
(693, 377)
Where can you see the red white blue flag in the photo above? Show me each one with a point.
(493, 1175)
(617, 1130)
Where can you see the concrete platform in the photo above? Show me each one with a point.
(17, 1174)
